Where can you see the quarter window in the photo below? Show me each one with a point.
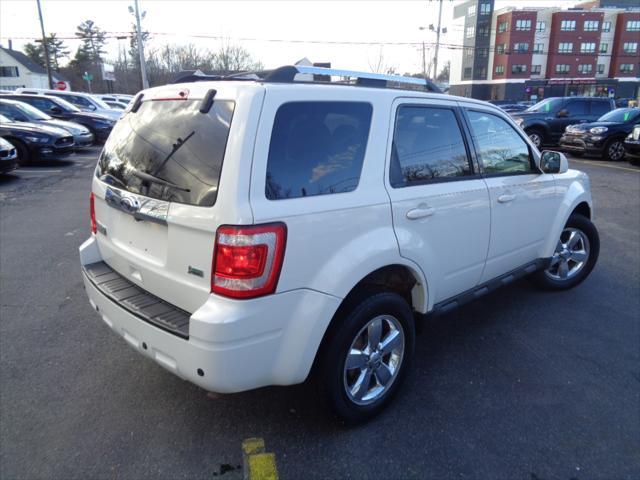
(427, 146)
(500, 149)
(317, 148)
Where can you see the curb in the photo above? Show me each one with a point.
(258, 464)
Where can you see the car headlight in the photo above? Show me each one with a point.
(37, 139)
(598, 130)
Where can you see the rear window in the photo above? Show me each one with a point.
(141, 145)
(317, 148)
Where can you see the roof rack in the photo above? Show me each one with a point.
(321, 75)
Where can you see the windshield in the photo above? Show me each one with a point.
(620, 115)
(168, 150)
(100, 103)
(32, 113)
(546, 105)
(66, 106)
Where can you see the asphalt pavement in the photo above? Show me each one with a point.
(521, 384)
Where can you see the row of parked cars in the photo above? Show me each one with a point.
(39, 124)
(581, 125)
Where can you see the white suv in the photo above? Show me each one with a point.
(245, 231)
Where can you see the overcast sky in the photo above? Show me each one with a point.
(298, 23)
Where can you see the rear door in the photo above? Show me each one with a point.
(157, 190)
(440, 204)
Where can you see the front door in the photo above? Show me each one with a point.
(440, 204)
(523, 200)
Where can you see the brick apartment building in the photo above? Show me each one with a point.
(531, 53)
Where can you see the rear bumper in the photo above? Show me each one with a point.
(232, 345)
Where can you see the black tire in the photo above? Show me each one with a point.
(24, 158)
(534, 133)
(616, 144)
(546, 279)
(351, 319)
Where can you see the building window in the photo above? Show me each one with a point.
(626, 67)
(568, 25)
(471, 31)
(541, 26)
(523, 25)
(500, 70)
(633, 26)
(500, 49)
(591, 25)
(522, 47)
(9, 72)
(471, 11)
(503, 27)
(483, 52)
(538, 47)
(604, 47)
(606, 26)
(481, 73)
(588, 47)
(536, 69)
(565, 47)
(601, 68)
(562, 68)
(630, 47)
(585, 68)
(518, 69)
(485, 8)
(467, 73)
(468, 52)
(483, 31)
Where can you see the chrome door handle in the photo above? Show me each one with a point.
(506, 198)
(417, 213)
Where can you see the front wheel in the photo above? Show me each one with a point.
(536, 137)
(575, 256)
(367, 355)
(614, 150)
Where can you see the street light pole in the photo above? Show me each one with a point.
(143, 67)
(435, 60)
(45, 47)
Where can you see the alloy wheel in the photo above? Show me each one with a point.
(536, 139)
(571, 255)
(616, 150)
(374, 359)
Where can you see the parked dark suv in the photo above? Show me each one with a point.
(546, 121)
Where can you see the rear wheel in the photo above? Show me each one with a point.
(367, 356)
(614, 150)
(536, 137)
(575, 256)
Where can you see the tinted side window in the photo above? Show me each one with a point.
(317, 148)
(427, 146)
(576, 107)
(599, 108)
(500, 148)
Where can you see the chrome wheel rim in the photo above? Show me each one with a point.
(374, 359)
(571, 255)
(616, 150)
(536, 139)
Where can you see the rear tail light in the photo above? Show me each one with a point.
(92, 213)
(247, 260)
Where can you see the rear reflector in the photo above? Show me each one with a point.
(92, 213)
(247, 260)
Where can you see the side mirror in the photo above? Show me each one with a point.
(562, 113)
(553, 162)
(56, 110)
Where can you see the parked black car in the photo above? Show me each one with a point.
(8, 156)
(97, 124)
(632, 144)
(605, 137)
(23, 112)
(34, 141)
(546, 121)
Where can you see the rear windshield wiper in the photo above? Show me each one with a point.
(176, 146)
(152, 178)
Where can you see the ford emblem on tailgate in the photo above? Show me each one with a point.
(130, 204)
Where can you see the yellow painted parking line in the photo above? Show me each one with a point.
(606, 165)
(258, 465)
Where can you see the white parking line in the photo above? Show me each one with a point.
(598, 164)
(24, 170)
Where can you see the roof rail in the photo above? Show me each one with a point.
(287, 74)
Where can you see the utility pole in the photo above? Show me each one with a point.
(45, 47)
(143, 67)
(435, 61)
(424, 62)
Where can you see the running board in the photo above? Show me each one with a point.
(487, 287)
